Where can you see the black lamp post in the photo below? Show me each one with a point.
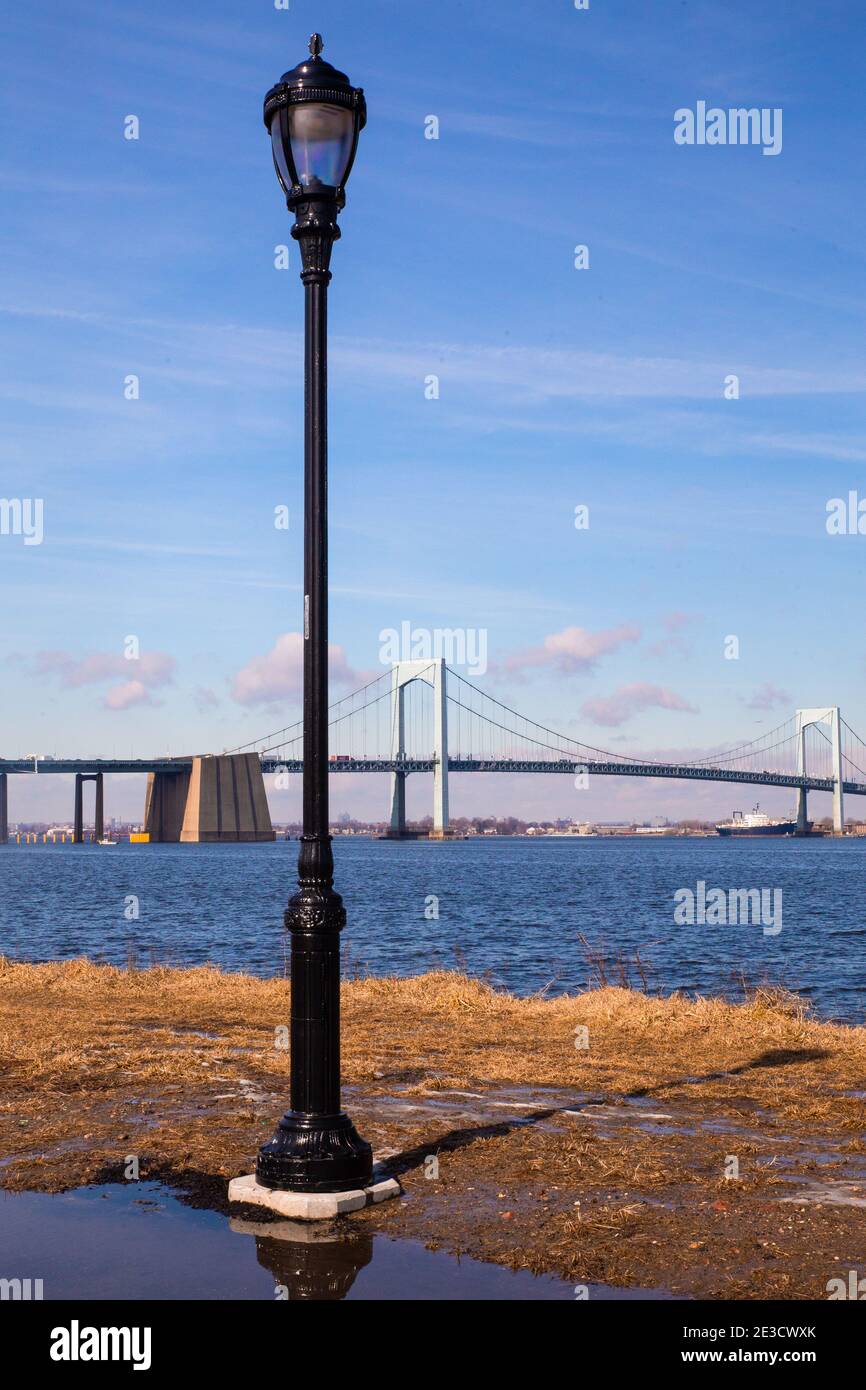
(314, 116)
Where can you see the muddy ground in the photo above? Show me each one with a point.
(702, 1148)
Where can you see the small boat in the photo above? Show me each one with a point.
(106, 842)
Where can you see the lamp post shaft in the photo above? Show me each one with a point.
(316, 1147)
(315, 1030)
(316, 559)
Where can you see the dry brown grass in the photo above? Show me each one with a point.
(181, 1068)
(76, 1026)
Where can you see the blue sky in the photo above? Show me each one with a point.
(558, 386)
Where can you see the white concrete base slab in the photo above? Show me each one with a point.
(311, 1206)
(298, 1232)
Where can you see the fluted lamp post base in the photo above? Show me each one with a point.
(315, 1153)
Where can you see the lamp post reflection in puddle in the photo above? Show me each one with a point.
(307, 1261)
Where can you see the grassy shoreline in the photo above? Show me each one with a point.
(514, 1142)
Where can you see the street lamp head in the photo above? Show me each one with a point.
(314, 116)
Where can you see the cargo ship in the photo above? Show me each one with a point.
(757, 822)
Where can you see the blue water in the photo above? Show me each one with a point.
(137, 1241)
(511, 909)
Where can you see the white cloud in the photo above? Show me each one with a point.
(128, 694)
(613, 710)
(278, 674)
(139, 676)
(575, 649)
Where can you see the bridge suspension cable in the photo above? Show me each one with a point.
(540, 736)
(256, 744)
(859, 745)
(482, 727)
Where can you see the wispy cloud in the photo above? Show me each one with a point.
(815, 445)
(215, 352)
(613, 710)
(768, 696)
(575, 650)
(140, 675)
(205, 699)
(677, 626)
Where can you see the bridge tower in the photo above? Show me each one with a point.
(4, 811)
(432, 672)
(806, 718)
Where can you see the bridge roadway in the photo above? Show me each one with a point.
(565, 766)
(571, 767)
(90, 766)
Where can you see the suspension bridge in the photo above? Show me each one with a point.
(425, 717)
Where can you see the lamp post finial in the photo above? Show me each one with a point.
(316, 44)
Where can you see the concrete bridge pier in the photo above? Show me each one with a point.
(98, 815)
(221, 800)
(78, 815)
(397, 827)
(802, 812)
(99, 810)
(4, 810)
(164, 805)
(226, 801)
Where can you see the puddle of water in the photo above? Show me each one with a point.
(526, 1101)
(138, 1241)
(837, 1194)
(527, 1104)
(464, 1108)
(601, 1111)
